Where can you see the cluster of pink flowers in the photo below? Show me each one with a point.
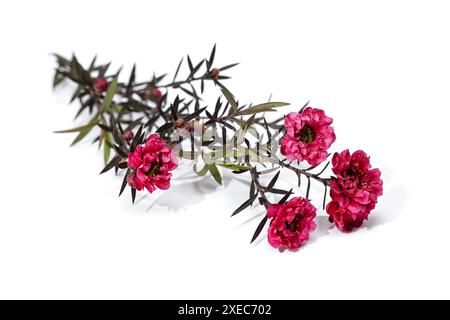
(354, 190)
(151, 164)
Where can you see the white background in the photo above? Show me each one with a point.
(381, 69)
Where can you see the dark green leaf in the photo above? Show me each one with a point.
(57, 79)
(211, 57)
(114, 162)
(283, 200)
(229, 66)
(245, 205)
(191, 67)
(321, 171)
(259, 228)
(273, 181)
(133, 195)
(195, 114)
(178, 69)
(121, 152)
(124, 182)
(132, 78)
(304, 107)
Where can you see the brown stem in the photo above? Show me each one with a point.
(325, 181)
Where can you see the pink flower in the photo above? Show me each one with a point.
(354, 191)
(308, 136)
(291, 223)
(100, 85)
(151, 164)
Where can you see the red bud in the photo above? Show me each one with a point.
(215, 73)
(128, 135)
(100, 85)
(156, 93)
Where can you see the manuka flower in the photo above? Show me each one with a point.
(291, 223)
(308, 136)
(354, 191)
(151, 164)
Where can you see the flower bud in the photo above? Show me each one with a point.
(155, 93)
(128, 135)
(214, 73)
(100, 85)
(179, 123)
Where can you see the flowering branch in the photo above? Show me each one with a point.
(149, 132)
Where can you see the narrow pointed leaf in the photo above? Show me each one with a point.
(273, 181)
(178, 69)
(109, 95)
(259, 228)
(211, 57)
(124, 182)
(263, 107)
(282, 200)
(202, 172)
(244, 205)
(229, 96)
(106, 148)
(77, 129)
(133, 195)
(229, 66)
(215, 173)
(114, 162)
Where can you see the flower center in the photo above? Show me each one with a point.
(306, 134)
(293, 225)
(153, 169)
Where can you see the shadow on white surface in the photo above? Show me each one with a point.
(191, 191)
(323, 229)
(387, 211)
(389, 207)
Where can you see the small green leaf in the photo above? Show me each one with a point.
(215, 173)
(263, 107)
(77, 129)
(106, 147)
(244, 128)
(76, 93)
(57, 79)
(234, 167)
(229, 96)
(85, 131)
(61, 60)
(109, 95)
(202, 172)
(80, 136)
